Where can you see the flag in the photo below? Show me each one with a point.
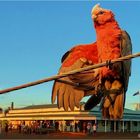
(136, 93)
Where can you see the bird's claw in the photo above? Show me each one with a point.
(109, 64)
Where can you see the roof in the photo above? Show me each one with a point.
(95, 109)
(51, 109)
(131, 111)
(126, 110)
(40, 106)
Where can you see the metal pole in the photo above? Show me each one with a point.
(55, 77)
(139, 103)
(130, 126)
(114, 126)
(105, 126)
(123, 125)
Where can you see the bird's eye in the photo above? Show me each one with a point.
(101, 12)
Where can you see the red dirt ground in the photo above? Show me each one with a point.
(71, 135)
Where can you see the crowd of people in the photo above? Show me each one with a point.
(38, 127)
(88, 127)
(91, 128)
(35, 127)
(22, 127)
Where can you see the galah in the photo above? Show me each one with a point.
(107, 83)
(112, 43)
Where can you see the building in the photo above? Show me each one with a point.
(136, 106)
(50, 113)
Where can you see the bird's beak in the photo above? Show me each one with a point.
(94, 17)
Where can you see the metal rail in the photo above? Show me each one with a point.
(55, 77)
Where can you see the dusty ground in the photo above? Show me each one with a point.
(70, 135)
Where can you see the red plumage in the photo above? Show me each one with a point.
(88, 51)
(108, 40)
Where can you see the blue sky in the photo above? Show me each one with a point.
(35, 35)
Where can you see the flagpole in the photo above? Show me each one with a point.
(139, 101)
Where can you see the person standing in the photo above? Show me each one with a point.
(56, 126)
(84, 127)
(89, 126)
(6, 128)
(94, 129)
(19, 128)
(76, 126)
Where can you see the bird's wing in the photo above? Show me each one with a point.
(69, 96)
(126, 49)
(124, 68)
